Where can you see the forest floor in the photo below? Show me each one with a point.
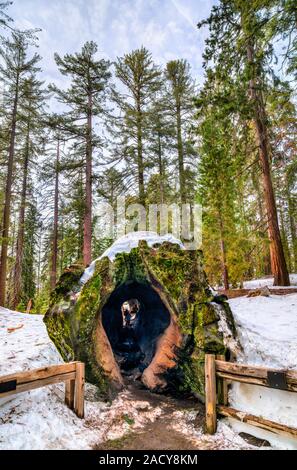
(158, 434)
(249, 286)
(138, 419)
(179, 426)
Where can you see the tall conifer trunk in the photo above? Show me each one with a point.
(17, 271)
(181, 170)
(87, 248)
(161, 169)
(140, 164)
(278, 262)
(292, 224)
(7, 203)
(54, 260)
(223, 254)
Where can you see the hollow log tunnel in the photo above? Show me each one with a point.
(177, 322)
(134, 346)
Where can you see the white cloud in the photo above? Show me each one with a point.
(166, 27)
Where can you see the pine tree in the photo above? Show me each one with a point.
(14, 70)
(5, 19)
(86, 99)
(161, 149)
(30, 113)
(219, 163)
(28, 283)
(179, 103)
(50, 176)
(238, 46)
(281, 17)
(141, 79)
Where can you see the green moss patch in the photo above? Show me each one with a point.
(176, 274)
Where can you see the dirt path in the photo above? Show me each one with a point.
(159, 434)
(171, 430)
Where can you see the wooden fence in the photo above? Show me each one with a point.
(217, 374)
(73, 374)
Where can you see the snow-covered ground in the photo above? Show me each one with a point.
(267, 329)
(268, 281)
(39, 419)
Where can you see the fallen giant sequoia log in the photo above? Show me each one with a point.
(178, 318)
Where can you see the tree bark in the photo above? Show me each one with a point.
(283, 231)
(7, 204)
(161, 169)
(180, 151)
(17, 271)
(262, 215)
(53, 274)
(140, 164)
(80, 222)
(278, 262)
(38, 281)
(87, 248)
(292, 225)
(223, 255)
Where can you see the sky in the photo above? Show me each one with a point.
(166, 27)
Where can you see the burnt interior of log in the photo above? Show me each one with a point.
(134, 345)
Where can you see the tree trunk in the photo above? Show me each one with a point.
(17, 271)
(87, 248)
(223, 254)
(38, 281)
(283, 230)
(62, 244)
(262, 234)
(7, 204)
(140, 164)
(292, 225)
(180, 151)
(80, 222)
(161, 170)
(53, 274)
(278, 262)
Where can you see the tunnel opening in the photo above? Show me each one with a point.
(134, 319)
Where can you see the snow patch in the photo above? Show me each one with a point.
(125, 244)
(27, 347)
(39, 419)
(268, 281)
(229, 341)
(224, 439)
(267, 329)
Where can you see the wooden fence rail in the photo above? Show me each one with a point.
(73, 374)
(217, 374)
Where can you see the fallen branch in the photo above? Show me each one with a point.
(12, 329)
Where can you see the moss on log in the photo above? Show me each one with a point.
(74, 317)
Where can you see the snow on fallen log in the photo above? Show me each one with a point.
(125, 244)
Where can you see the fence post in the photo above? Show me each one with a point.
(210, 394)
(222, 386)
(69, 393)
(79, 389)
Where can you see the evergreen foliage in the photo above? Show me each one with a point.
(146, 131)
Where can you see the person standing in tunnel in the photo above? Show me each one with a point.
(130, 310)
(129, 345)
